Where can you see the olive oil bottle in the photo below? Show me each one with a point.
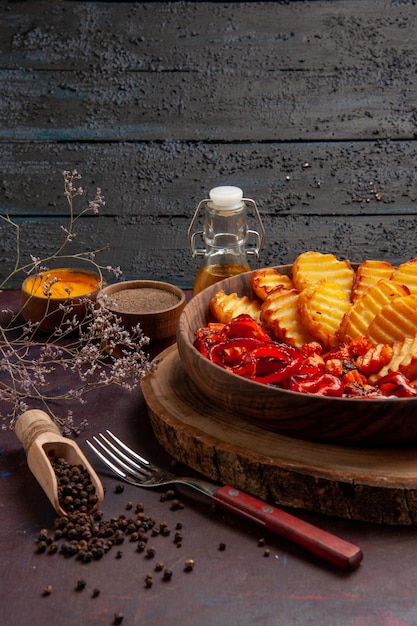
(225, 235)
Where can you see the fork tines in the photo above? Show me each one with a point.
(120, 458)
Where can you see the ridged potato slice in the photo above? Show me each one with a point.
(368, 274)
(395, 321)
(266, 279)
(279, 315)
(322, 307)
(406, 274)
(225, 307)
(311, 267)
(362, 312)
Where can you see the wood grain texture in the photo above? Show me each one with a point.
(366, 484)
(158, 102)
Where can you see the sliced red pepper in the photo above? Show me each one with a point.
(208, 336)
(320, 383)
(263, 362)
(396, 384)
(232, 352)
(276, 364)
(245, 326)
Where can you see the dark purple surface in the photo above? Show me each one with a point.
(239, 585)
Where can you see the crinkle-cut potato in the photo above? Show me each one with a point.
(368, 274)
(311, 267)
(322, 307)
(356, 321)
(395, 321)
(279, 315)
(406, 274)
(266, 279)
(225, 307)
(403, 359)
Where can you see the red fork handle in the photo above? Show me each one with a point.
(337, 551)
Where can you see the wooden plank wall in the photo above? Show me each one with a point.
(310, 107)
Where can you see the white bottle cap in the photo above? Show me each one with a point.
(227, 197)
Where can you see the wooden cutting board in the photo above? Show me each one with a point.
(372, 485)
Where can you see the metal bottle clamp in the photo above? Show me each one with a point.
(251, 251)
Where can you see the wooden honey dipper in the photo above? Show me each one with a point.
(43, 442)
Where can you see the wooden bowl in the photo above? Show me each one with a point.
(47, 310)
(155, 305)
(344, 421)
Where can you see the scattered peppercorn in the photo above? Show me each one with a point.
(129, 505)
(119, 488)
(266, 552)
(159, 567)
(47, 590)
(178, 537)
(96, 593)
(189, 565)
(119, 554)
(222, 546)
(150, 553)
(80, 585)
(141, 546)
(261, 542)
(176, 505)
(167, 575)
(148, 581)
(118, 618)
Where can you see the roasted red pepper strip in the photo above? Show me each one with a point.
(208, 336)
(320, 383)
(276, 362)
(263, 362)
(395, 384)
(245, 326)
(231, 353)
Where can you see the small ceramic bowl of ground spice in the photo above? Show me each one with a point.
(57, 296)
(155, 305)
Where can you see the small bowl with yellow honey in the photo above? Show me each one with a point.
(156, 306)
(52, 297)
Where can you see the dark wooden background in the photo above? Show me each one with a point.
(310, 107)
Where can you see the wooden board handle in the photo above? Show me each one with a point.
(325, 545)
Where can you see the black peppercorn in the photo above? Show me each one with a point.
(150, 553)
(80, 585)
(167, 575)
(47, 590)
(189, 565)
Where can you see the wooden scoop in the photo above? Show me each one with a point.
(44, 442)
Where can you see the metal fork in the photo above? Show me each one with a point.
(135, 469)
